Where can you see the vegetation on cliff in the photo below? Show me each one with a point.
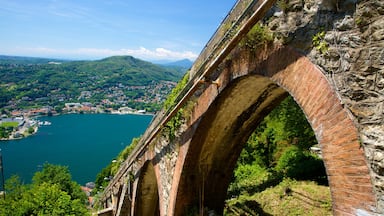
(103, 177)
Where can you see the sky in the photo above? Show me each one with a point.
(151, 30)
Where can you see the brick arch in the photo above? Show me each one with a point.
(146, 201)
(250, 88)
(344, 158)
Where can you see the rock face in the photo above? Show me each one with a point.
(345, 38)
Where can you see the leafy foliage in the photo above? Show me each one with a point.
(301, 165)
(6, 128)
(103, 176)
(286, 125)
(51, 193)
(174, 124)
(176, 121)
(171, 98)
(59, 175)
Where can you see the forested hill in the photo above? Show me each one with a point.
(25, 80)
(127, 69)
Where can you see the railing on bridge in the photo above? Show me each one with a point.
(242, 17)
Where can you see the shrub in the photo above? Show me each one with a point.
(298, 164)
(259, 35)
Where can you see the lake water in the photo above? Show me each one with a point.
(85, 143)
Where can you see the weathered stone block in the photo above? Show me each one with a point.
(346, 24)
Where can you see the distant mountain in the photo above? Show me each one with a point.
(26, 60)
(186, 63)
(178, 66)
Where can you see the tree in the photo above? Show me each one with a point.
(2, 132)
(59, 175)
(44, 199)
(31, 130)
(52, 192)
(291, 124)
(14, 193)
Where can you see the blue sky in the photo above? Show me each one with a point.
(94, 29)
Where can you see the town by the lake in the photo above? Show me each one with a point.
(22, 123)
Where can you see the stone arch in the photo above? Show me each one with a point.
(250, 89)
(146, 200)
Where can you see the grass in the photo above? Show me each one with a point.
(9, 124)
(290, 197)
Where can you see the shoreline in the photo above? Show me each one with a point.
(24, 135)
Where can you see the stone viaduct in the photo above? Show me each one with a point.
(327, 54)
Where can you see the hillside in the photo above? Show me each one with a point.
(30, 82)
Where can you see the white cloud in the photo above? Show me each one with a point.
(96, 53)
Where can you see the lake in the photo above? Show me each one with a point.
(85, 143)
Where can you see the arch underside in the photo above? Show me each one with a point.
(240, 107)
(147, 197)
(227, 125)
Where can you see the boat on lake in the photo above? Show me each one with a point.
(44, 123)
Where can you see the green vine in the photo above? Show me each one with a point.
(177, 120)
(174, 124)
(171, 99)
(319, 43)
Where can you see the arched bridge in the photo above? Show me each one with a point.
(186, 157)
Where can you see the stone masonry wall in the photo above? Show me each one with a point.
(166, 153)
(345, 38)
